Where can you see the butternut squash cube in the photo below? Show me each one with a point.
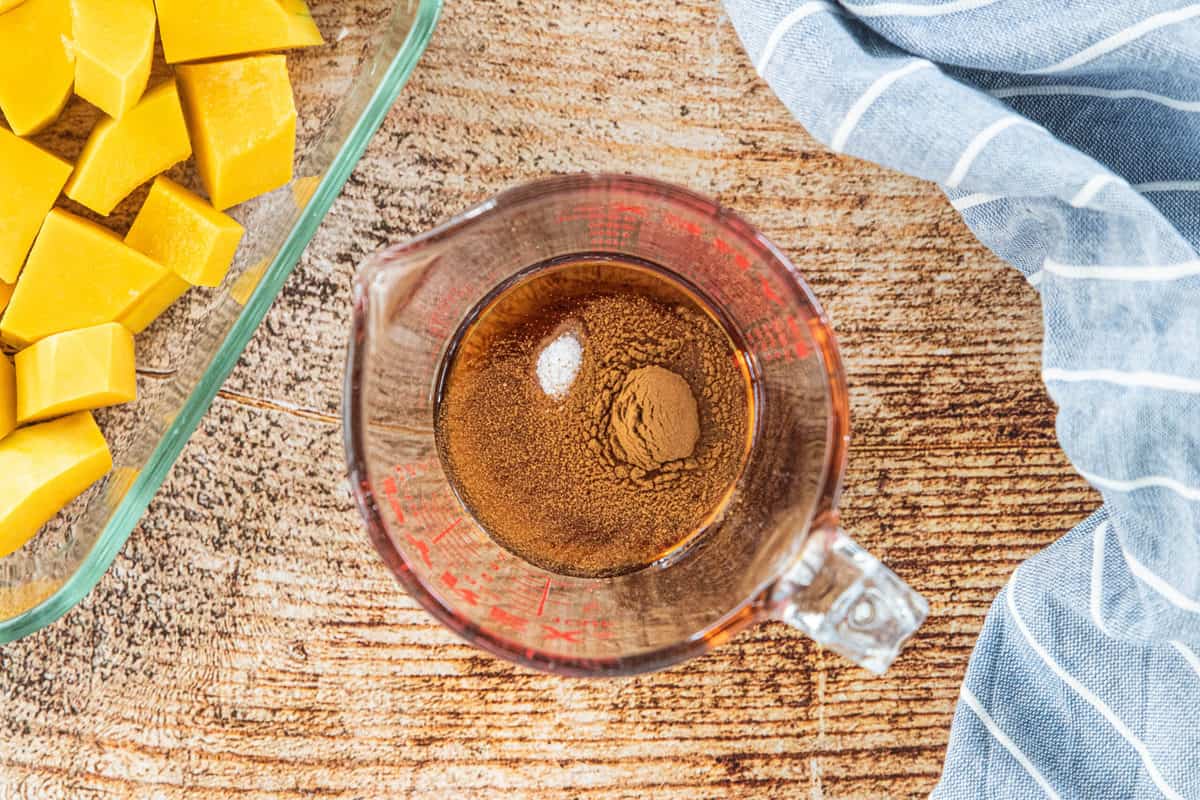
(185, 234)
(8, 397)
(6, 293)
(44, 467)
(31, 180)
(151, 306)
(194, 30)
(242, 120)
(78, 275)
(114, 45)
(122, 154)
(9, 5)
(37, 64)
(75, 371)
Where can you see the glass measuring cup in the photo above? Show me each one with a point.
(777, 550)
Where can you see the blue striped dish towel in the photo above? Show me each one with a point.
(1068, 136)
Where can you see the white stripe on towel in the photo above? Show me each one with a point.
(1092, 700)
(1035, 279)
(1189, 655)
(785, 25)
(1098, 542)
(1092, 188)
(915, 9)
(973, 703)
(1147, 272)
(1095, 91)
(978, 143)
(872, 94)
(1098, 576)
(1121, 38)
(1168, 592)
(972, 200)
(1168, 186)
(1157, 481)
(1137, 378)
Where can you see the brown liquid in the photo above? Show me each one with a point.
(635, 456)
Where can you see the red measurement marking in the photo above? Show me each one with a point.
(545, 594)
(567, 636)
(742, 262)
(676, 221)
(471, 598)
(610, 230)
(447, 529)
(506, 619)
(590, 607)
(798, 338)
(390, 491)
(770, 293)
(422, 548)
(449, 579)
(582, 622)
(637, 211)
(721, 245)
(775, 342)
(580, 212)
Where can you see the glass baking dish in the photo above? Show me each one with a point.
(343, 89)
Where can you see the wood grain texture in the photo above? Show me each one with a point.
(248, 643)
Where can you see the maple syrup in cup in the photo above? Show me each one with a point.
(594, 415)
(471, 341)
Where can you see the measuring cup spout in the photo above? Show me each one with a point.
(845, 599)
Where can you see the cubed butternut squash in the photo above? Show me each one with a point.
(194, 30)
(114, 45)
(37, 63)
(75, 371)
(8, 397)
(30, 181)
(44, 467)
(78, 275)
(122, 154)
(242, 120)
(152, 304)
(185, 234)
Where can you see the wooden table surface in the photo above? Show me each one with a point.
(249, 643)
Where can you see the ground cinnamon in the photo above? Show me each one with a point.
(632, 457)
(654, 419)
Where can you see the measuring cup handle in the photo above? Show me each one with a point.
(843, 597)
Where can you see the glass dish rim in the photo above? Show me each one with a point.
(150, 478)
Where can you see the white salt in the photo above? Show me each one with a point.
(558, 364)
